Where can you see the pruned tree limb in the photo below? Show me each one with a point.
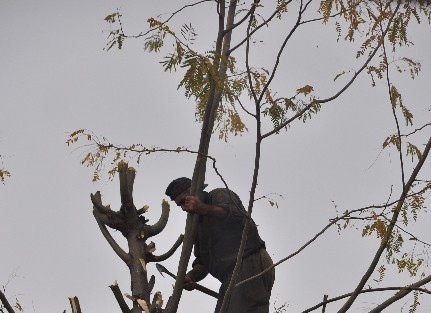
(74, 304)
(96, 199)
(119, 297)
(113, 219)
(6, 303)
(161, 223)
(127, 178)
(160, 258)
(114, 245)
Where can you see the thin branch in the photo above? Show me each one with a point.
(114, 245)
(389, 230)
(413, 237)
(341, 91)
(392, 101)
(265, 23)
(280, 51)
(424, 290)
(416, 130)
(141, 34)
(332, 222)
(401, 294)
(309, 242)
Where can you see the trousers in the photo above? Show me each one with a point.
(252, 296)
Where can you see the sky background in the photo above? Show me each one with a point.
(55, 78)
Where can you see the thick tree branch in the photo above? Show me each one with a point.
(119, 297)
(161, 223)
(96, 199)
(114, 245)
(74, 304)
(127, 178)
(160, 258)
(198, 178)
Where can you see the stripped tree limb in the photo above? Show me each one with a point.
(74, 304)
(161, 223)
(127, 178)
(119, 297)
(160, 258)
(114, 245)
(96, 199)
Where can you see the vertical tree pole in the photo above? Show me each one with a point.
(198, 178)
(130, 222)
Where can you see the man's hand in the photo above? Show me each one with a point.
(194, 205)
(189, 284)
(198, 273)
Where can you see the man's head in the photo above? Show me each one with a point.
(178, 186)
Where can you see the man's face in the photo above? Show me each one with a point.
(180, 200)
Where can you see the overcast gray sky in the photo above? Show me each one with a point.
(56, 78)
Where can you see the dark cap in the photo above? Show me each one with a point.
(179, 185)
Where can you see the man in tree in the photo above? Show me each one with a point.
(221, 222)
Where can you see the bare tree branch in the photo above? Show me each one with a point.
(74, 304)
(96, 199)
(401, 294)
(119, 297)
(114, 245)
(411, 288)
(389, 230)
(160, 258)
(161, 223)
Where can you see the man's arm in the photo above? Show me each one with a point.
(198, 273)
(195, 205)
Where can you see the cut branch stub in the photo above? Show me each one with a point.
(119, 297)
(127, 178)
(96, 199)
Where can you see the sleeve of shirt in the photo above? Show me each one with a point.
(230, 202)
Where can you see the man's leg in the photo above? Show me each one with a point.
(253, 296)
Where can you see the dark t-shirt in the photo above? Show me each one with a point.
(217, 239)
